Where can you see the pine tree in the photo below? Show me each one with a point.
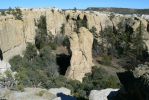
(138, 42)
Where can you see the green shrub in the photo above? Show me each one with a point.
(93, 30)
(33, 69)
(112, 82)
(42, 39)
(30, 52)
(53, 46)
(58, 40)
(66, 42)
(17, 13)
(42, 71)
(20, 87)
(3, 13)
(41, 93)
(63, 29)
(99, 79)
(106, 60)
(16, 63)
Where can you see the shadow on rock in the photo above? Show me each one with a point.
(112, 94)
(65, 97)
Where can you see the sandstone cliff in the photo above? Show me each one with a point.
(14, 34)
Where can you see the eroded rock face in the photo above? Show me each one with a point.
(81, 48)
(11, 36)
(14, 34)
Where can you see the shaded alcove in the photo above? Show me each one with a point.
(63, 61)
(1, 54)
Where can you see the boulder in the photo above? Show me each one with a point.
(105, 94)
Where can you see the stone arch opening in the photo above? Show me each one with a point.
(63, 60)
(1, 54)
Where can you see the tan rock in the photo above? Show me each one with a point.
(54, 21)
(11, 36)
(81, 48)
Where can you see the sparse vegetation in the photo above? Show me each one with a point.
(35, 70)
(17, 13)
(121, 43)
(42, 38)
(106, 60)
(41, 70)
(40, 93)
(3, 13)
(63, 29)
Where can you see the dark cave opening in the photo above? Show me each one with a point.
(1, 54)
(63, 61)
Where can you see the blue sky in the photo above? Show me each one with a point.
(66, 4)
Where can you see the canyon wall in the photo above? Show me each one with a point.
(15, 34)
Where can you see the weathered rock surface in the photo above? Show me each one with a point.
(34, 94)
(81, 48)
(63, 90)
(28, 94)
(102, 94)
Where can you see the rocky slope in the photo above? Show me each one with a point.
(14, 34)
